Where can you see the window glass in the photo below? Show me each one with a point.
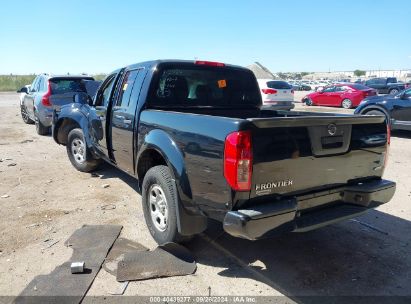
(126, 88)
(329, 89)
(61, 86)
(107, 93)
(407, 93)
(34, 85)
(204, 86)
(279, 85)
(41, 84)
(359, 87)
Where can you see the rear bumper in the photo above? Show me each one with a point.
(308, 212)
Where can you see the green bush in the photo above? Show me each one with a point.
(14, 82)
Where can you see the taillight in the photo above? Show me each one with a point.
(210, 63)
(269, 91)
(45, 101)
(238, 160)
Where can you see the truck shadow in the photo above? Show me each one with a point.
(345, 259)
(401, 134)
(107, 171)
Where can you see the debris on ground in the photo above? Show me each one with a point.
(11, 165)
(105, 186)
(50, 243)
(33, 225)
(5, 196)
(108, 207)
(167, 260)
(120, 291)
(95, 175)
(120, 247)
(77, 267)
(90, 245)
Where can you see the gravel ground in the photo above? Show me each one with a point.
(47, 199)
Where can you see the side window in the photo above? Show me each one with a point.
(103, 97)
(40, 85)
(126, 88)
(34, 85)
(329, 89)
(381, 81)
(107, 93)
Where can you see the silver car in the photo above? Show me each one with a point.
(36, 106)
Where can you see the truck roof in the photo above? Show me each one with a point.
(153, 63)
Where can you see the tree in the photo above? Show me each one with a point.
(359, 73)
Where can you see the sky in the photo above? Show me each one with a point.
(286, 36)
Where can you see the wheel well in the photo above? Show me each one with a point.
(63, 129)
(150, 158)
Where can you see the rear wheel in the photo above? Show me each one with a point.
(308, 101)
(25, 116)
(160, 203)
(346, 104)
(78, 152)
(41, 129)
(378, 112)
(394, 91)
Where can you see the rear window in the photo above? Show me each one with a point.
(359, 87)
(204, 86)
(280, 85)
(391, 80)
(61, 86)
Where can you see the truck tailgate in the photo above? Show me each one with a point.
(293, 155)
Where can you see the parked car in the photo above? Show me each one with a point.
(259, 172)
(23, 92)
(395, 108)
(346, 95)
(36, 106)
(276, 93)
(388, 85)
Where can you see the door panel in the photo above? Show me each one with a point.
(123, 120)
(402, 108)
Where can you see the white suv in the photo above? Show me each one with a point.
(276, 93)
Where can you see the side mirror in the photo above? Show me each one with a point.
(81, 98)
(320, 90)
(23, 90)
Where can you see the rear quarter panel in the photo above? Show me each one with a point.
(199, 140)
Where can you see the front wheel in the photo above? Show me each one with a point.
(160, 203)
(377, 112)
(346, 104)
(78, 152)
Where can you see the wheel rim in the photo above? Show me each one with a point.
(78, 150)
(158, 207)
(346, 103)
(24, 114)
(393, 92)
(309, 102)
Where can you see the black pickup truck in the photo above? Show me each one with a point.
(387, 85)
(200, 146)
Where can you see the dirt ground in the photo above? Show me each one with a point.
(44, 199)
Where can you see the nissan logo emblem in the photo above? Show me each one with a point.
(332, 129)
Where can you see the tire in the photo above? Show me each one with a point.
(308, 101)
(378, 112)
(78, 152)
(41, 129)
(346, 104)
(393, 91)
(25, 116)
(160, 203)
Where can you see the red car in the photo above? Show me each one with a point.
(347, 95)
